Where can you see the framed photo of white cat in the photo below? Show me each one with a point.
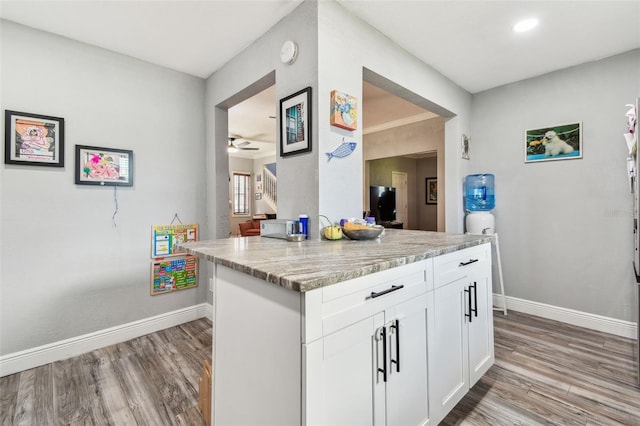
(560, 142)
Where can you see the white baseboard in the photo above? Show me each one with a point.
(570, 316)
(63, 349)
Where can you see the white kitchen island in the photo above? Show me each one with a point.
(392, 331)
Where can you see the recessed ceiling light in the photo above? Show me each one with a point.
(525, 25)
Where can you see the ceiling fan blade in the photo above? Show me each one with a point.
(241, 144)
(249, 149)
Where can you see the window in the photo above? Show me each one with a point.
(241, 193)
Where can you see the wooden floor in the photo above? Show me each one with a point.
(151, 380)
(546, 372)
(551, 373)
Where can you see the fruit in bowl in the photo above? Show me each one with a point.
(357, 231)
(332, 232)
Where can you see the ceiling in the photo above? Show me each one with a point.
(470, 42)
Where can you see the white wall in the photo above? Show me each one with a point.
(565, 226)
(66, 269)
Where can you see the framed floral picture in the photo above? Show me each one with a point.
(103, 166)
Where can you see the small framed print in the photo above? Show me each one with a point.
(432, 190)
(103, 166)
(33, 139)
(295, 123)
(465, 147)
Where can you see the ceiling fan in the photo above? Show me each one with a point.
(242, 146)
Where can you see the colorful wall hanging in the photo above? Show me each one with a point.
(176, 273)
(165, 237)
(344, 111)
(172, 270)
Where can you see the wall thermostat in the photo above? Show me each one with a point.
(289, 52)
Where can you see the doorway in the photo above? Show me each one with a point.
(403, 144)
(251, 147)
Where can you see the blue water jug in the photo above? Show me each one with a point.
(479, 192)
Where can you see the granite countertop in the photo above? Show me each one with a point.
(311, 264)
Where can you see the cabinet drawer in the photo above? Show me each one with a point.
(453, 266)
(346, 303)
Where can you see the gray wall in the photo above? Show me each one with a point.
(228, 86)
(66, 270)
(427, 213)
(565, 226)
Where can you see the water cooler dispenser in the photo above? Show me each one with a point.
(479, 200)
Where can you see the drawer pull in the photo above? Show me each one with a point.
(382, 293)
(468, 263)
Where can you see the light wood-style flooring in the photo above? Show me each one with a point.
(551, 373)
(546, 372)
(150, 380)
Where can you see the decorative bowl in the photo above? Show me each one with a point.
(296, 237)
(370, 233)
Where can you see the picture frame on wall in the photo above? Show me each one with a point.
(344, 110)
(431, 190)
(295, 123)
(560, 142)
(103, 166)
(465, 147)
(33, 139)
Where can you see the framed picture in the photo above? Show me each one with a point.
(465, 147)
(103, 166)
(561, 142)
(432, 190)
(295, 123)
(344, 111)
(33, 139)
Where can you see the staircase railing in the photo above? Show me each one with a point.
(270, 188)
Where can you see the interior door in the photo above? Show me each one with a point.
(399, 182)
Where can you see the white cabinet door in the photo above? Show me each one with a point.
(341, 373)
(481, 350)
(373, 372)
(406, 390)
(448, 349)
